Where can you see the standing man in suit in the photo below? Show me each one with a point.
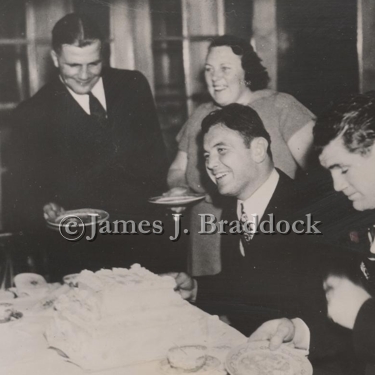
(90, 138)
(345, 139)
(266, 273)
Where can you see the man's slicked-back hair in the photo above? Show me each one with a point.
(256, 75)
(352, 120)
(75, 29)
(240, 118)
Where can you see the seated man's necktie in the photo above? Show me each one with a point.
(368, 263)
(245, 226)
(96, 109)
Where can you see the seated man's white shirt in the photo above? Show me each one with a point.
(255, 205)
(83, 100)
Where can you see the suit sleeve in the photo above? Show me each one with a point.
(364, 332)
(26, 183)
(153, 163)
(328, 341)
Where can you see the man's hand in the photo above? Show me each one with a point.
(276, 331)
(344, 300)
(185, 285)
(52, 211)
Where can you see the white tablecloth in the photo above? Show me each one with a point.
(24, 350)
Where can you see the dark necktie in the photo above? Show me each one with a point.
(96, 109)
(368, 264)
(245, 226)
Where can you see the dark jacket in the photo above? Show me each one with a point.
(278, 277)
(63, 155)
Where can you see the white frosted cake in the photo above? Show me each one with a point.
(123, 316)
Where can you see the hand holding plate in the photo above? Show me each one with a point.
(275, 331)
(52, 211)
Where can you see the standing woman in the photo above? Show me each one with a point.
(234, 74)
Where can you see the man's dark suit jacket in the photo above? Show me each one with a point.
(63, 155)
(364, 335)
(278, 277)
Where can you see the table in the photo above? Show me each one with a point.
(24, 350)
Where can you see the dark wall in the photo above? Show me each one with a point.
(238, 18)
(317, 50)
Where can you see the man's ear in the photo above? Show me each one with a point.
(259, 148)
(55, 58)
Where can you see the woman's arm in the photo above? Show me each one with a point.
(300, 144)
(177, 171)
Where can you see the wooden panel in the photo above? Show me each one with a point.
(202, 17)
(131, 47)
(198, 53)
(143, 40)
(265, 36)
(122, 46)
(41, 16)
(202, 20)
(366, 44)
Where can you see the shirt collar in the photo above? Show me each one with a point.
(83, 100)
(257, 203)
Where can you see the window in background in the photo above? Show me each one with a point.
(170, 94)
(13, 55)
(182, 31)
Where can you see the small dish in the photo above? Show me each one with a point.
(212, 366)
(82, 217)
(188, 358)
(177, 200)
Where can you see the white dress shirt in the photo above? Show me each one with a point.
(83, 100)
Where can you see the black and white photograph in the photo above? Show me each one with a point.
(187, 187)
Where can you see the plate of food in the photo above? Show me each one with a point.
(257, 358)
(81, 217)
(176, 200)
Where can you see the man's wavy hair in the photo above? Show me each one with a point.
(352, 120)
(256, 75)
(75, 29)
(240, 118)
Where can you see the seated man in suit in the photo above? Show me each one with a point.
(89, 138)
(345, 139)
(265, 273)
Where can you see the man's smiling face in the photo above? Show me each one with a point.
(80, 67)
(230, 163)
(352, 173)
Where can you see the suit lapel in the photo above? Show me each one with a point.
(279, 203)
(65, 102)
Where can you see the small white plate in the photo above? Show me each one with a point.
(211, 365)
(82, 216)
(176, 201)
(239, 359)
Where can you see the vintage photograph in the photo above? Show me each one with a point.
(187, 187)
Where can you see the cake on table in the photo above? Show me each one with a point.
(118, 317)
